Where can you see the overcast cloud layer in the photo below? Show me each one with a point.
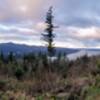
(22, 21)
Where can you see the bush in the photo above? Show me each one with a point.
(40, 98)
(3, 84)
(93, 93)
(45, 60)
(19, 72)
(98, 64)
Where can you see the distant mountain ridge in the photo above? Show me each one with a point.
(20, 49)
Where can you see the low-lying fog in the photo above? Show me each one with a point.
(81, 53)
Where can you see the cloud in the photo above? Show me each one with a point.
(41, 26)
(85, 33)
(22, 21)
(19, 10)
(18, 29)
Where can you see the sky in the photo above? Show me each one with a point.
(78, 21)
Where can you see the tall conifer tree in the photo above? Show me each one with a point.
(49, 36)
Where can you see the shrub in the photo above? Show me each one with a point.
(97, 68)
(11, 57)
(45, 60)
(40, 98)
(93, 93)
(98, 65)
(3, 84)
(19, 72)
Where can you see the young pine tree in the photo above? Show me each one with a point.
(49, 37)
(11, 57)
(1, 56)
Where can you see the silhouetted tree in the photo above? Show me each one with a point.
(11, 57)
(49, 30)
(1, 56)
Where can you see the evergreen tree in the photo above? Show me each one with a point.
(49, 30)
(11, 57)
(1, 56)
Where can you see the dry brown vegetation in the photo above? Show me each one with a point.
(34, 77)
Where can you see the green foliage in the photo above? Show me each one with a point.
(45, 60)
(1, 57)
(3, 84)
(19, 72)
(97, 67)
(92, 93)
(4, 97)
(97, 81)
(30, 57)
(25, 67)
(40, 98)
(11, 57)
(98, 64)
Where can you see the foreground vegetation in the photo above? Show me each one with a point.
(37, 77)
